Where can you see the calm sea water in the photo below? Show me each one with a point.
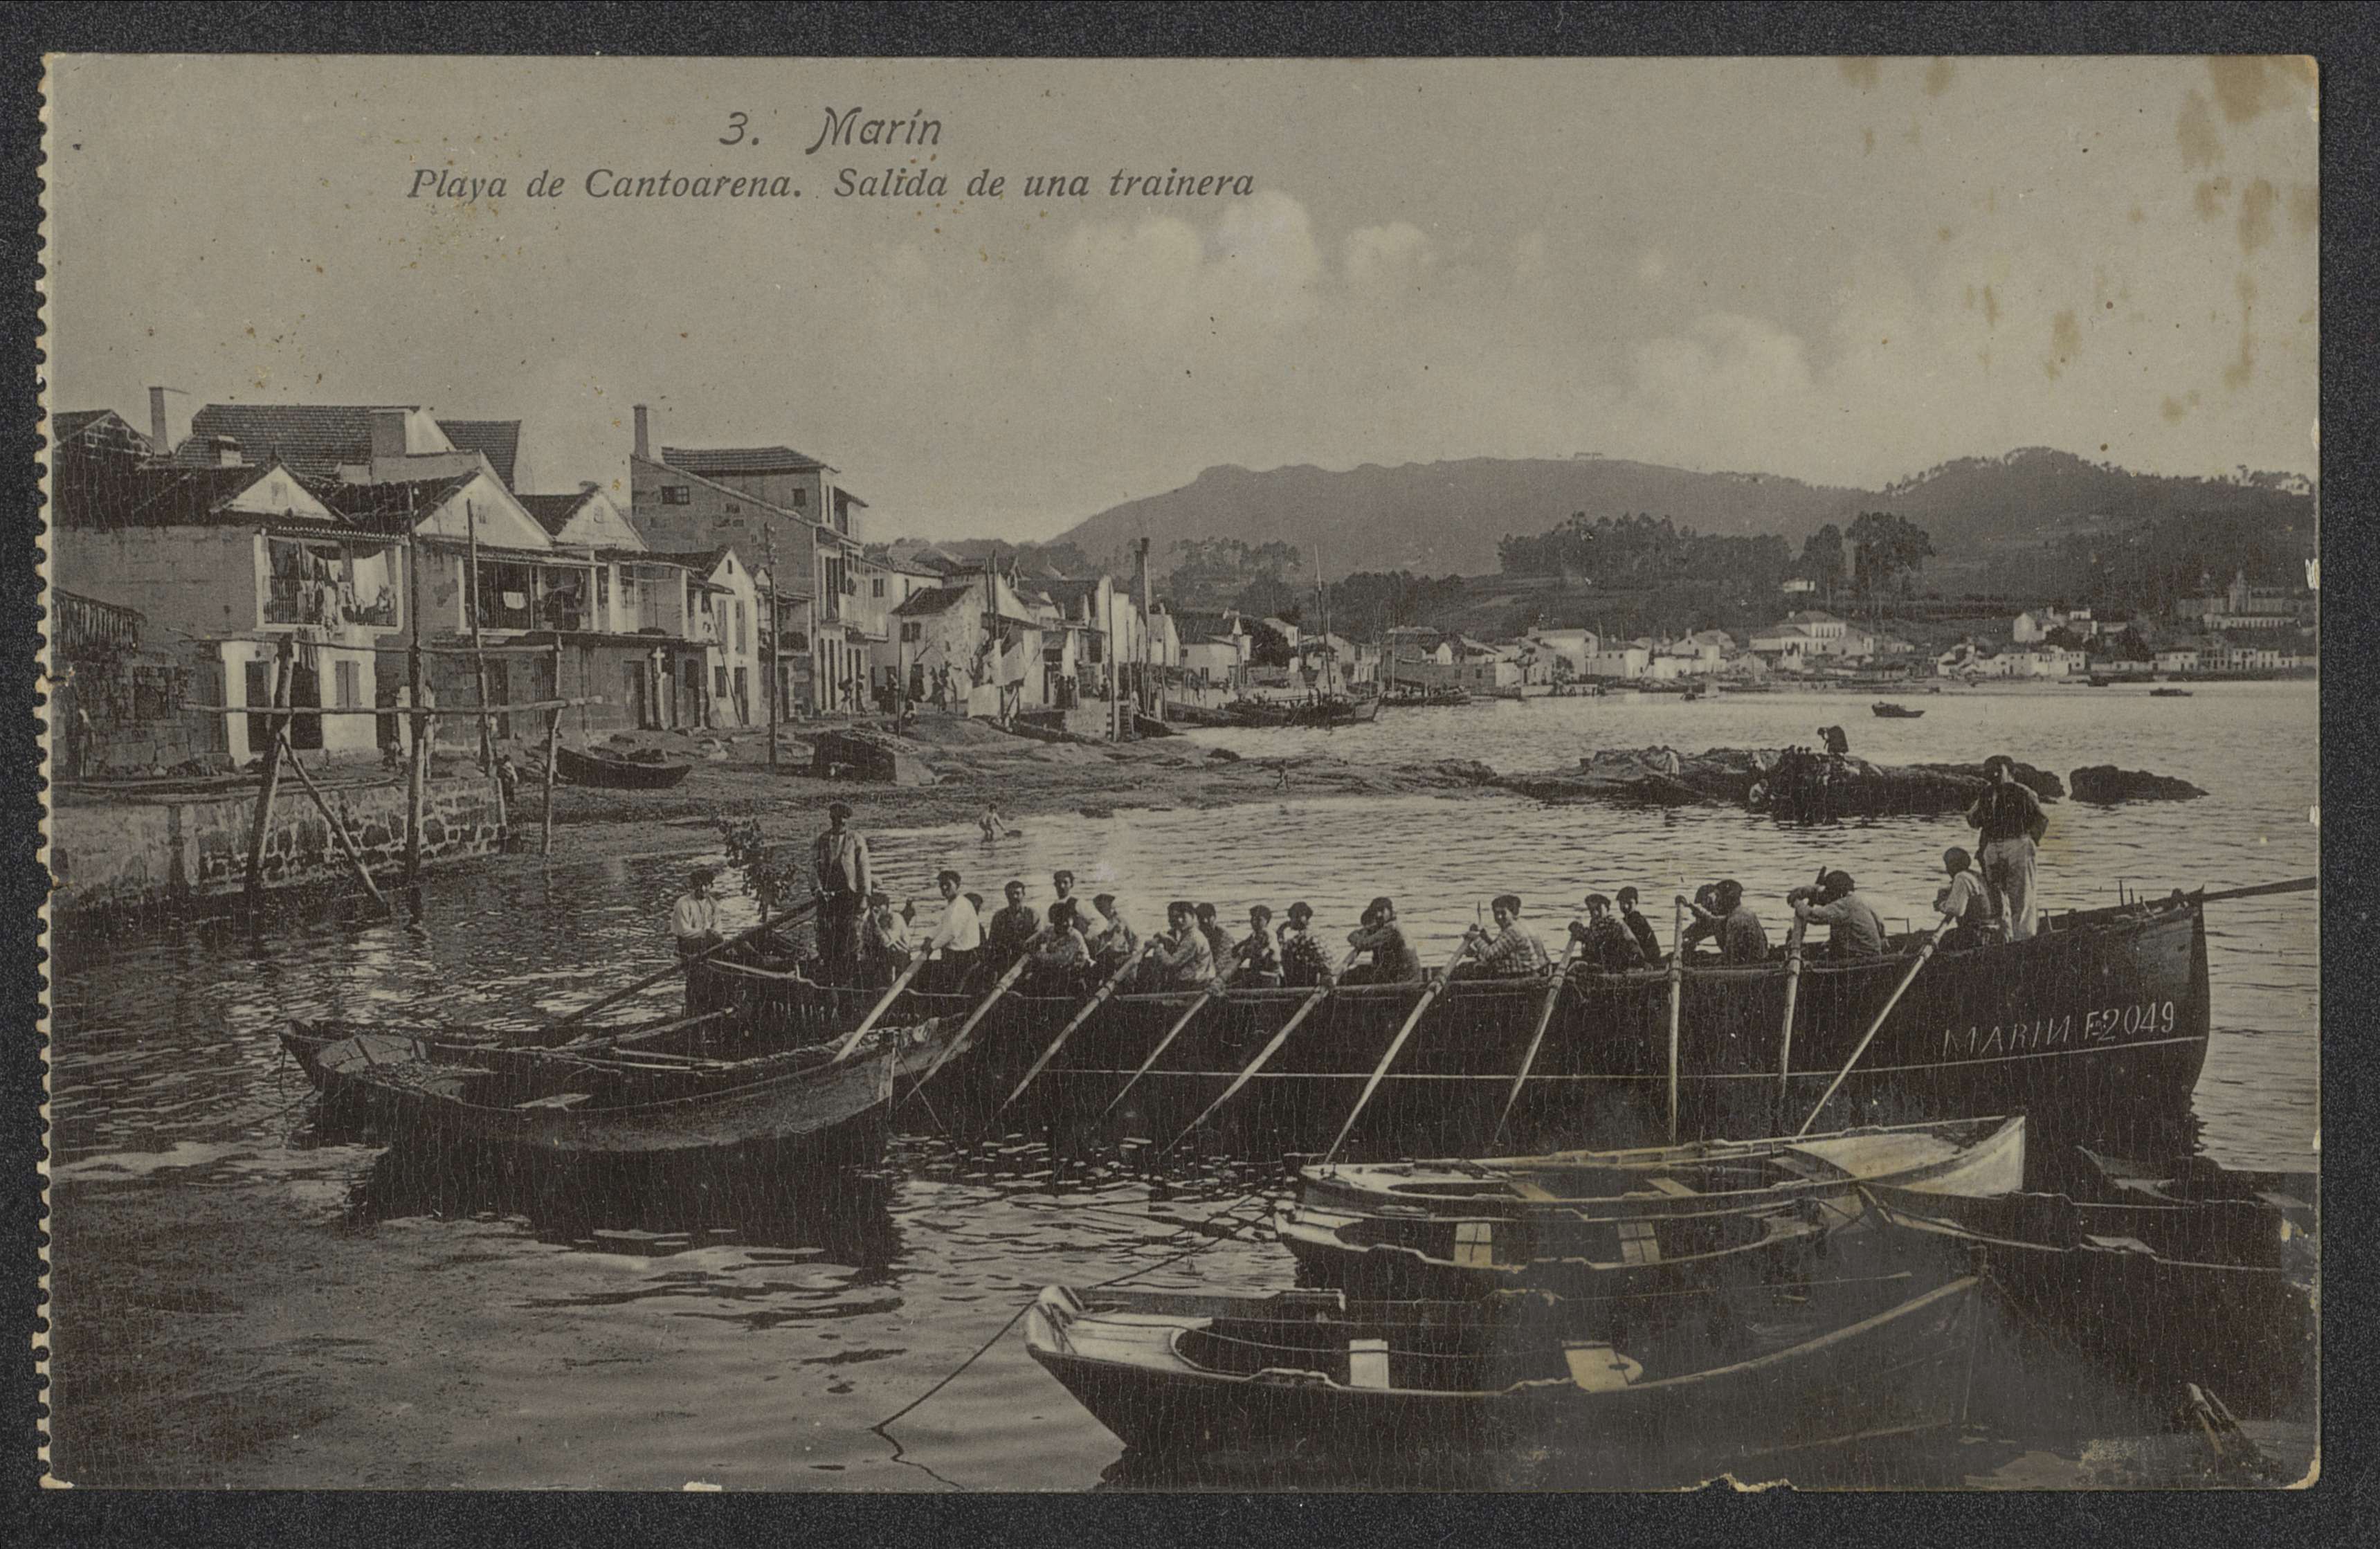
(794, 1321)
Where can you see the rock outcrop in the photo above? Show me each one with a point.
(2104, 784)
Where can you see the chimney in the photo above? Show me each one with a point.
(388, 432)
(226, 450)
(158, 438)
(644, 437)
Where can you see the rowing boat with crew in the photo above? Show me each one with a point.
(2096, 1028)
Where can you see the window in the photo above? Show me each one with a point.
(879, 584)
(912, 631)
(743, 628)
(347, 682)
(677, 494)
(723, 682)
(320, 582)
(801, 498)
(733, 508)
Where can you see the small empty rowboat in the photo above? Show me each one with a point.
(1315, 1373)
(609, 771)
(615, 1097)
(1598, 1223)
(1890, 712)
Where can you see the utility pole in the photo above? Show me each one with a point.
(479, 667)
(1148, 690)
(776, 646)
(417, 772)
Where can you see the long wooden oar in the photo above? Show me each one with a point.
(1264, 1056)
(2296, 885)
(1677, 1003)
(1396, 1044)
(842, 1051)
(648, 980)
(1016, 971)
(1924, 952)
(1162, 1044)
(1545, 1020)
(1098, 998)
(1792, 989)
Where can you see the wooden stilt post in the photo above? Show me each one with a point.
(480, 671)
(1676, 999)
(338, 827)
(417, 772)
(269, 784)
(553, 747)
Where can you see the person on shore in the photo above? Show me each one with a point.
(956, 941)
(884, 951)
(1219, 939)
(1179, 956)
(1255, 958)
(844, 878)
(1855, 930)
(1719, 912)
(1638, 926)
(1393, 961)
(1964, 904)
(1062, 959)
(695, 920)
(1010, 931)
(1604, 944)
(2011, 823)
(1303, 963)
(1112, 936)
(1509, 951)
(1837, 741)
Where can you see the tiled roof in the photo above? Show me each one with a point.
(496, 439)
(925, 604)
(392, 507)
(155, 495)
(100, 433)
(715, 461)
(553, 511)
(314, 439)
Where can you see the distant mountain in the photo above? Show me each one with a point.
(1446, 516)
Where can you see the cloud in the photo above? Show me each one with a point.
(1382, 259)
(1157, 280)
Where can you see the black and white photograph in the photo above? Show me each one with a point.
(943, 775)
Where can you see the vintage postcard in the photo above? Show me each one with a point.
(1061, 776)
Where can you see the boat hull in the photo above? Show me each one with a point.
(1895, 1372)
(2095, 1029)
(610, 773)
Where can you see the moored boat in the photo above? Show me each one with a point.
(1326, 711)
(625, 1095)
(2096, 1028)
(1621, 1222)
(1884, 709)
(589, 767)
(1319, 1373)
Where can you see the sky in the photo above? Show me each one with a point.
(1842, 271)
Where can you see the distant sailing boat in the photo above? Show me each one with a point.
(1325, 705)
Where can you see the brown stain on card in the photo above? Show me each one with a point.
(2065, 343)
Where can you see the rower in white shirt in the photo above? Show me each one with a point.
(957, 941)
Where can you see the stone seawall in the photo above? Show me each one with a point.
(134, 855)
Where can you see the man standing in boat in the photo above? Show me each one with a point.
(1855, 930)
(1303, 963)
(1393, 960)
(957, 941)
(839, 858)
(1179, 957)
(1012, 930)
(1510, 951)
(1638, 926)
(695, 921)
(1112, 936)
(1728, 917)
(1604, 943)
(2011, 824)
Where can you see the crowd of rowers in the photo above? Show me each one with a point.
(863, 940)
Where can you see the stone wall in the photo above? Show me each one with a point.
(133, 855)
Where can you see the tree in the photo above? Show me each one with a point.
(1822, 557)
(1267, 647)
(1885, 546)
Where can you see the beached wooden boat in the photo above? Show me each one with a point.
(614, 1096)
(1890, 712)
(1316, 1373)
(592, 767)
(1621, 1222)
(1329, 711)
(2218, 1293)
(1183, 713)
(1410, 697)
(2168, 694)
(2096, 1029)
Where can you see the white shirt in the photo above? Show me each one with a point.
(694, 918)
(961, 929)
